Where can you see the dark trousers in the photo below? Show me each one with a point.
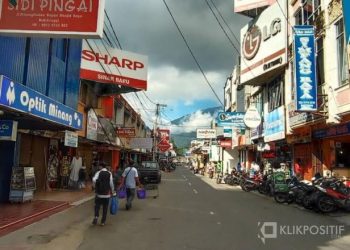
(104, 202)
(130, 194)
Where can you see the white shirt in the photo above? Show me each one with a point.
(130, 179)
(94, 179)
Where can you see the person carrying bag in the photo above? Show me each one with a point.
(129, 180)
(103, 182)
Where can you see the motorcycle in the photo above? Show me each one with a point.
(333, 194)
(250, 184)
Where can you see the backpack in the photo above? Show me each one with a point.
(103, 183)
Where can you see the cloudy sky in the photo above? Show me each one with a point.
(145, 27)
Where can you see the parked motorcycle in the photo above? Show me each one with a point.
(332, 195)
(250, 184)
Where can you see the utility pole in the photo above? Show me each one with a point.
(155, 126)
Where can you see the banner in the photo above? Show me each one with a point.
(126, 132)
(52, 18)
(18, 97)
(231, 119)
(274, 125)
(206, 133)
(346, 13)
(141, 143)
(305, 68)
(70, 139)
(104, 64)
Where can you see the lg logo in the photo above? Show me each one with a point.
(255, 36)
(251, 42)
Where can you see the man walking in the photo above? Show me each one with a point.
(103, 182)
(130, 178)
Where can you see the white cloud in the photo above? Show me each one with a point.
(196, 120)
(170, 85)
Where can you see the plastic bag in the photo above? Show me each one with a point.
(141, 193)
(122, 193)
(114, 205)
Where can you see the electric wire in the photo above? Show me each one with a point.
(115, 34)
(192, 54)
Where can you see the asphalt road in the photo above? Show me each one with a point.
(191, 212)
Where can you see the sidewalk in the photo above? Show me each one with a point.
(45, 204)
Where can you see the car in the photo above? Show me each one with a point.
(149, 172)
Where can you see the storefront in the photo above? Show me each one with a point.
(39, 137)
(335, 141)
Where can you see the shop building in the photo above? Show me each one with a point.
(312, 134)
(39, 97)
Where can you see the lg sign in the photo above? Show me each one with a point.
(253, 38)
(112, 60)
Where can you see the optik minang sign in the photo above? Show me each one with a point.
(18, 97)
(305, 68)
(53, 18)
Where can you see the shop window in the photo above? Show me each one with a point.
(257, 100)
(275, 94)
(308, 12)
(342, 156)
(343, 73)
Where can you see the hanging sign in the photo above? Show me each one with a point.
(53, 18)
(18, 97)
(234, 119)
(206, 133)
(104, 64)
(305, 68)
(126, 132)
(274, 125)
(252, 118)
(8, 130)
(70, 139)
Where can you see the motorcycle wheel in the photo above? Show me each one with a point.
(325, 204)
(261, 190)
(281, 197)
(247, 187)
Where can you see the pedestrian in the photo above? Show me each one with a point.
(75, 167)
(104, 188)
(130, 178)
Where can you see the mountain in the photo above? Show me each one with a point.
(183, 138)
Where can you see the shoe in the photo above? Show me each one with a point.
(102, 224)
(94, 222)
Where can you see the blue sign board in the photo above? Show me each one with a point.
(346, 15)
(18, 97)
(338, 130)
(274, 125)
(305, 68)
(8, 130)
(232, 119)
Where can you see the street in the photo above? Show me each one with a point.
(192, 212)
